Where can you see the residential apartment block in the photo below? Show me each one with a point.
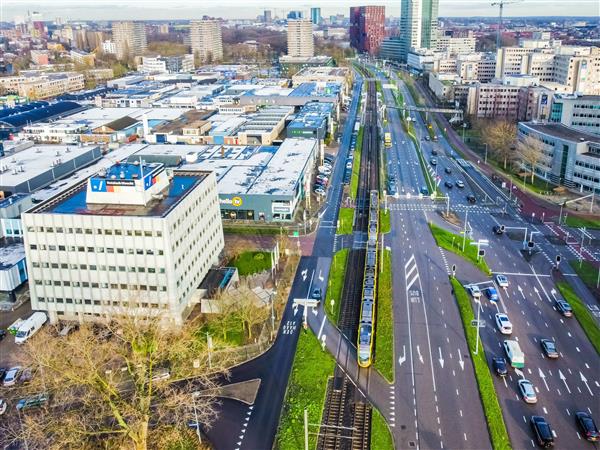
(129, 38)
(206, 40)
(130, 240)
(43, 85)
(367, 28)
(300, 38)
(167, 64)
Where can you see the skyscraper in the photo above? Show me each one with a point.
(129, 38)
(268, 16)
(315, 16)
(300, 38)
(418, 24)
(367, 28)
(206, 40)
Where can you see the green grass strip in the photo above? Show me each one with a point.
(251, 262)
(428, 179)
(345, 219)
(306, 390)
(385, 223)
(384, 342)
(253, 230)
(582, 314)
(485, 383)
(453, 243)
(587, 272)
(579, 222)
(356, 164)
(381, 438)
(337, 274)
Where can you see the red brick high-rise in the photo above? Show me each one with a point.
(367, 28)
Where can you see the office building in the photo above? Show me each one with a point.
(300, 38)
(295, 15)
(569, 157)
(206, 40)
(315, 16)
(129, 240)
(456, 45)
(391, 48)
(39, 85)
(367, 28)
(581, 112)
(268, 16)
(167, 64)
(129, 38)
(418, 24)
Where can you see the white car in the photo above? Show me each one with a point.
(502, 280)
(503, 323)
(324, 170)
(11, 377)
(2, 406)
(474, 291)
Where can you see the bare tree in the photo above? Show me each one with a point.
(248, 307)
(500, 135)
(122, 385)
(529, 153)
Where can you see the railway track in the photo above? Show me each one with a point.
(346, 422)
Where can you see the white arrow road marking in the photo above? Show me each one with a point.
(564, 379)
(521, 291)
(420, 356)
(585, 381)
(295, 310)
(402, 359)
(304, 274)
(460, 360)
(321, 275)
(543, 377)
(519, 373)
(535, 289)
(441, 360)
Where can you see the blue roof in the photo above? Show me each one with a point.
(83, 95)
(4, 203)
(38, 114)
(5, 112)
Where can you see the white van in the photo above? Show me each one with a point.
(514, 354)
(30, 326)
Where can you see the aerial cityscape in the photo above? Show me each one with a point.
(329, 226)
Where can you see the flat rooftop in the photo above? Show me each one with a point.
(73, 201)
(11, 252)
(563, 132)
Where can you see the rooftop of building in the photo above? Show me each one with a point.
(190, 119)
(563, 132)
(319, 59)
(326, 71)
(11, 252)
(14, 198)
(73, 200)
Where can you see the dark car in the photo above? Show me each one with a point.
(392, 188)
(3, 371)
(564, 308)
(2, 334)
(433, 161)
(434, 152)
(448, 184)
(587, 426)
(448, 170)
(316, 293)
(424, 191)
(427, 138)
(543, 432)
(499, 364)
(549, 348)
(497, 229)
(471, 198)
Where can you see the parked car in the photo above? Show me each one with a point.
(492, 294)
(448, 184)
(502, 280)
(2, 406)
(349, 165)
(587, 426)
(474, 291)
(497, 229)
(3, 371)
(564, 308)
(320, 191)
(427, 138)
(448, 170)
(323, 178)
(499, 364)
(549, 348)
(11, 376)
(503, 323)
(2, 334)
(434, 152)
(527, 391)
(316, 293)
(471, 198)
(460, 184)
(30, 326)
(542, 431)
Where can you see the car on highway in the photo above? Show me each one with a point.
(427, 138)
(527, 391)
(492, 294)
(499, 365)
(448, 184)
(434, 152)
(503, 323)
(542, 431)
(392, 187)
(549, 348)
(497, 229)
(474, 291)
(433, 161)
(587, 426)
(564, 308)
(471, 198)
(502, 280)
(2, 334)
(515, 355)
(448, 170)
(12, 375)
(460, 184)
(349, 165)
(316, 293)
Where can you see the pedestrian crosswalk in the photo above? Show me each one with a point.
(420, 206)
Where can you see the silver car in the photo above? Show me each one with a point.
(527, 391)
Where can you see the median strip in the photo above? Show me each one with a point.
(337, 273)
(485, 383)
(384, 338)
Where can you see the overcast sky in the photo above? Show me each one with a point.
(178, 9)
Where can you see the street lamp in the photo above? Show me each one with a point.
(464, 127)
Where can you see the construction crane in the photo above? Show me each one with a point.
(500, 6)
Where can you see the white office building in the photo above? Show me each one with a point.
(133, 239)
(206, 40)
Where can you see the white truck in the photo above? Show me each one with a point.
(30, 326)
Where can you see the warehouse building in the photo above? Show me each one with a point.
(131, 239)
(256, 183)
(314, 121)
